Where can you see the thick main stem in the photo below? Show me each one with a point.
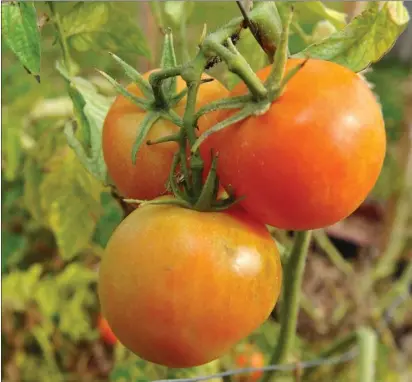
(293, 277)
(192, 74)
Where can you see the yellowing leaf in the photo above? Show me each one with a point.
(365, 39)
(103, 26)
(18, 286)
(71, 197)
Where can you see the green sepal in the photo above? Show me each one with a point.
(168, 60)
(145, 126)
(135, 76)
(138, 101)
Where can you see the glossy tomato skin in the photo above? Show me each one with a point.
(148, 177)
(315, 155)
(105, 331)
(180, 287)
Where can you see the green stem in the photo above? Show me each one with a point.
(368, 343)
(156, 80)
(293, 277)
(334, 255)
(225, 103)
(274, 80)
(67, 58)
(192, 74)
(237, 64)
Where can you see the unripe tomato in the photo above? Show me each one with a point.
(105, 331)
(249, 357)
(180, 287)
(148, 177)
(313, 157)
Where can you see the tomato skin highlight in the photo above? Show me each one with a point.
(180, 287)
(312, 159)
(148, 177)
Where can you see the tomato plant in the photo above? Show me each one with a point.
(146, 179)
(170, 272)
(250, 356)
(105, 331)
(313, 157)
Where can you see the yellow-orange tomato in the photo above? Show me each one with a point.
(180, 287)
(249, 357)
(313, 157)
(105, 331)
(147, 178)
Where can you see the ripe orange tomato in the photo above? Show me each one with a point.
(105, 331)
(148, 177)
(249, 357)
(180, 287)
(313, 157)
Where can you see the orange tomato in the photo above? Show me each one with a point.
(313, 157)
(105, 331)
(180, 287)
(249, 357)
(148, 177)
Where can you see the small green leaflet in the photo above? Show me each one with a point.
(365, 39)
(103, 26)
(20, 32)
(91, 109)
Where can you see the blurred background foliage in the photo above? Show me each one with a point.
(56, 218)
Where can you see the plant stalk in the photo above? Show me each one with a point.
(368, 343)
(67, 58)
(293, 277)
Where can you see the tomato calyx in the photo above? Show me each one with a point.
(256, 103)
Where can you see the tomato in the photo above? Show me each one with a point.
(105, 331)
(249, 357)
(148, 177)
(313, 157)
(180, 287)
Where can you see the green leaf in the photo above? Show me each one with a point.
(110, 219)
(18, 286)
(20, 32)
(12, 247)
(91, 108)
(366, 39)
(42, 338)
(103, 26)
(69, 295)
(71, 197)
(178, 11)
(318, 10)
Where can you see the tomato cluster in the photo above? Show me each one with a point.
(180, 287)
